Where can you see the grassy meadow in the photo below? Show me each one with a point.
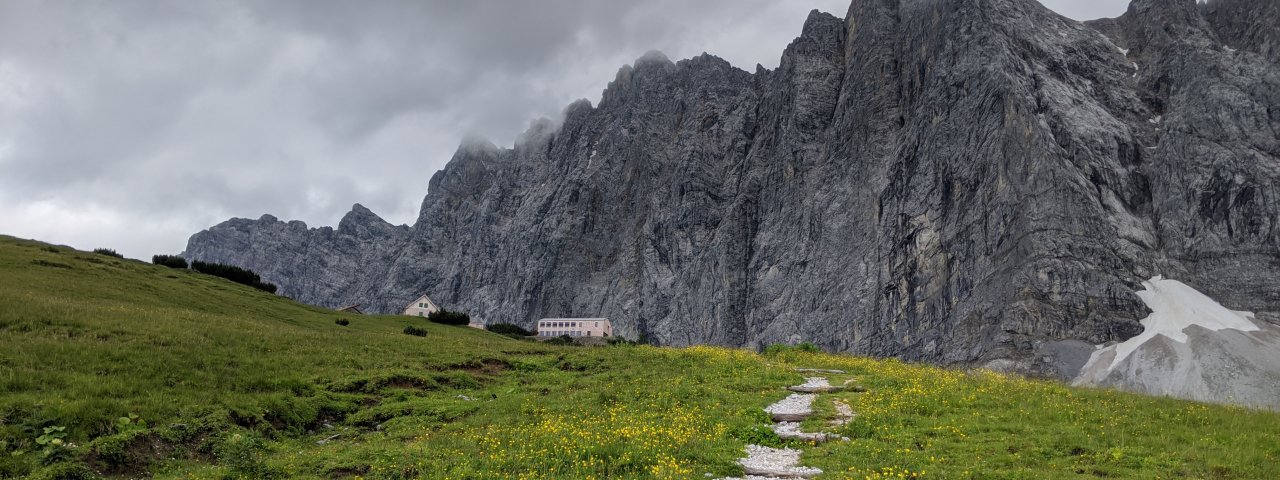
(121, 369)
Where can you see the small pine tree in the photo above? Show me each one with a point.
(233, 273)
(446, 317)
(171, 261)
(508, 329)
(108, 252)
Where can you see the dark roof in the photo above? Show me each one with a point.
(350, 308)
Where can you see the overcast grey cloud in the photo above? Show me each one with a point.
(132, 124)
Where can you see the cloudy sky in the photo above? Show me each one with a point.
(133, 124)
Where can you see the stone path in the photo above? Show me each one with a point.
(844, 414)
(819, 370)
(764, 463)
(795, 408)
(815, 385)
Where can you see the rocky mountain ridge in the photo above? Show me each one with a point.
(960, 181)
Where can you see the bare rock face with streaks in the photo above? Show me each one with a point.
(970, 181)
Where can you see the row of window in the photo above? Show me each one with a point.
(564, 324)
(559, 324)
(571, 333)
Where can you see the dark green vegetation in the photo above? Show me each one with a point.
(171, 261)
(513, 331)
(236, 274)
(108, 252)
(447, 317)
(119, 368)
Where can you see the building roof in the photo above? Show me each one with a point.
(429, 300)
(573, 320)
(350, 308)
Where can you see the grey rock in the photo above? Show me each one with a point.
(957, 182)
(1246, 25)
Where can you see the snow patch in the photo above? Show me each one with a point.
(1174, 308)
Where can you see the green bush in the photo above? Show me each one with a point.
(171, 261)
(342, 321)
(115, 451)
(446, 317)
(508, 329)
(236, 274)
(561, 340)
(242, 453)
(70, 470)
(415, 331)
(108, 252)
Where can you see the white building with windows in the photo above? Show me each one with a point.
(421, 307)
(575, 327)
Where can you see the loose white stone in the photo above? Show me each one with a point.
(796, 407)
(775, 462)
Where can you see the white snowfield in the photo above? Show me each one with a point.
(1176, 306)
(1192, 347)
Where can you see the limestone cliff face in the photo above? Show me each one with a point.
(953, 181)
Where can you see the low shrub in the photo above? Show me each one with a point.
(342, 321)
(508, 329)
(242, 454)
(171, 261)
(561, 340)
(446, 317)
(415, 331)
(119, 450)
(69, 470)
(108, 252)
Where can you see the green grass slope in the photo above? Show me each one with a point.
(117, 368)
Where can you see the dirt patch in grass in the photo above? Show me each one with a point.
(46, 263)
(488, 366)
(349, 472)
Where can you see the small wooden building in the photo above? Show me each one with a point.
(421, 307)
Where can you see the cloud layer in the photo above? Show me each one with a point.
(132, 124)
